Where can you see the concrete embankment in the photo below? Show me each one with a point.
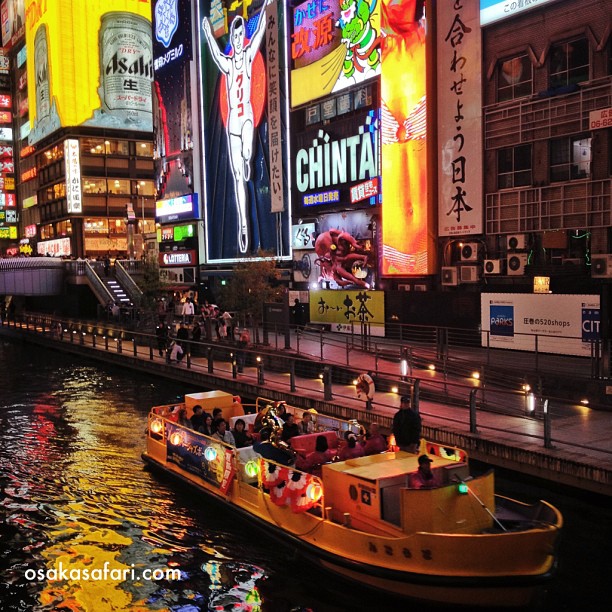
(503, 441)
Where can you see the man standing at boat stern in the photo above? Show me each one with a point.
(407, 426)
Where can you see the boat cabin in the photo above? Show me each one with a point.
(372, 493)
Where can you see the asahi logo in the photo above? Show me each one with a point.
(121, 65)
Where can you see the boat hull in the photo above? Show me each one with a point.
(317, 541)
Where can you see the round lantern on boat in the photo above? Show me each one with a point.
(210, 453)
(176, 438)
(314, 491)
(251, 468)
(156, 426)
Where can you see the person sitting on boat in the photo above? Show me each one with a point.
(375, 442)
(223, 433)
(280, 409)
(217, 414)
(267, 450)
(321, 454)
(207, 426)
(352, 450)
(290, 428)
(306, 425)
(424, 477)
(197, 419)
(241, 435)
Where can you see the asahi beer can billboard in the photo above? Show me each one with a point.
(89, 62)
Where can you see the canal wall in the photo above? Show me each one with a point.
(573, 468)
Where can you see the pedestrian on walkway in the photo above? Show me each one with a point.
(407, 426)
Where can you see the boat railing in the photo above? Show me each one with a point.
(219, 463)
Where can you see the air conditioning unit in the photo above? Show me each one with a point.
(449, 276)
(469, 251)
(469, 274)
(601, 266)
(516, 242)
(516, 264)
(492, 266)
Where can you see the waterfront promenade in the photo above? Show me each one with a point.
(576, 450)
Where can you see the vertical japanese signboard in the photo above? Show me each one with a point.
(460, 210)
(73, 176)
(274, 112)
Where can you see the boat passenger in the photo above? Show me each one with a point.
(375, 441)
(352, 450)
(207, 427)
(280, 408)
(182, 417)
(197, 420)
(267, 450)
(423, 478)
(306, 426)
(321, 454)
(217, 414)
(223, 433)
(290, 429)
(241, 435)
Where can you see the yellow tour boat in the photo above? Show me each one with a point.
(454, 543)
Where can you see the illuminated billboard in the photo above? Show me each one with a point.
(408, 228)
(244, 131)
(175, 209)
(172, 93)
(347, 311)
(12, 20)
(89, 62)
(496, 10)
(337, 164)
(460, 201)
(335, 44)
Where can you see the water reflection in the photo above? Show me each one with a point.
(76, 502)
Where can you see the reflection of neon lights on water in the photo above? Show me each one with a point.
(243, 593)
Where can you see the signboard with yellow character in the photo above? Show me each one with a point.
(349, 311)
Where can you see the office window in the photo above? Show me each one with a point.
(569, 63)
(93, 185)
(144, 149)
(570, 158)
(514, 78)
(119, 186)
(514, 167)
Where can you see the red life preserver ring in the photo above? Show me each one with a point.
(365, 385)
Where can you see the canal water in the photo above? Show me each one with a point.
(74, 496)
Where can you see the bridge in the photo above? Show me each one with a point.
(48, 276)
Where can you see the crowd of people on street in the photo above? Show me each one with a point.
(182, 328)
